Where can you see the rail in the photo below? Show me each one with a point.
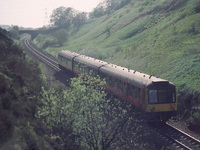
(178, 138)
(50, 62)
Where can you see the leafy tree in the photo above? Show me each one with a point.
(19, 99)
(49, 41)
(62, 17)
(83, 116)
(79, 19)
(15, 32)
(39, 38)
(98, 120)
(98, 11)
(107, 6)
(61, 36)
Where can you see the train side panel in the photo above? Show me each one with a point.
(65, 60)
(139, 103)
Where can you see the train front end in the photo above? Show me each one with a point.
(161, 98)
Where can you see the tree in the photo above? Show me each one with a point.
(61, 36)
(62, 17)
(98, 11)
(79, 19)
(15, 32)
(98, 120)
(83, 115)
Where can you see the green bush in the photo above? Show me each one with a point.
(50, 41)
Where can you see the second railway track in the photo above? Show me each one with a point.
(178, 138)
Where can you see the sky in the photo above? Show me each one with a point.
(36, 13)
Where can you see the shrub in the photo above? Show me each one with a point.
(50, 41)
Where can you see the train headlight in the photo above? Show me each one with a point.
(153, 109)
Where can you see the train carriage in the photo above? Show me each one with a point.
(87, 65)
(146, 92)
(65, 60)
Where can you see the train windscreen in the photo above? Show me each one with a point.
(161, 96)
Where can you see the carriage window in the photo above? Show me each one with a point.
(109, 80)
(76, 65)
(68, 62)
(61, 59)
(84, 69)
(138, 93)
(153, 96)
(92, 72)
(129, 89)
(118, 84)
(124, 87)
(102, 76)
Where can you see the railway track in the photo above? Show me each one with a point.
(177, 138)
(41, 56)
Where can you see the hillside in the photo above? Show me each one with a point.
(19, 99)
(158, 37)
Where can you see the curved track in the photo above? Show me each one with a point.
(41, 56)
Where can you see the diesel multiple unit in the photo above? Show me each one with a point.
(146, 92)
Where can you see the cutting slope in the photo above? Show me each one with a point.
(158, 37)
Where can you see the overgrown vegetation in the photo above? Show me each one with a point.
(157, 37)
(84, 117)
(19, 99)
(140, 35)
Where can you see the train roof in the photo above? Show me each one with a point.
(91, 62)
(130, 75)
(68, 54)
(122, 73)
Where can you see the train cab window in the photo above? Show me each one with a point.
(162, 96)
(153, 96)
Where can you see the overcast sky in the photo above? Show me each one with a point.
(31, 13)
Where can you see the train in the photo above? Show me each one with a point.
(149, 94)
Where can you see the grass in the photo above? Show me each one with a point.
(163, 43)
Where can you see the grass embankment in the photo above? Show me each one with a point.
(155, 37)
